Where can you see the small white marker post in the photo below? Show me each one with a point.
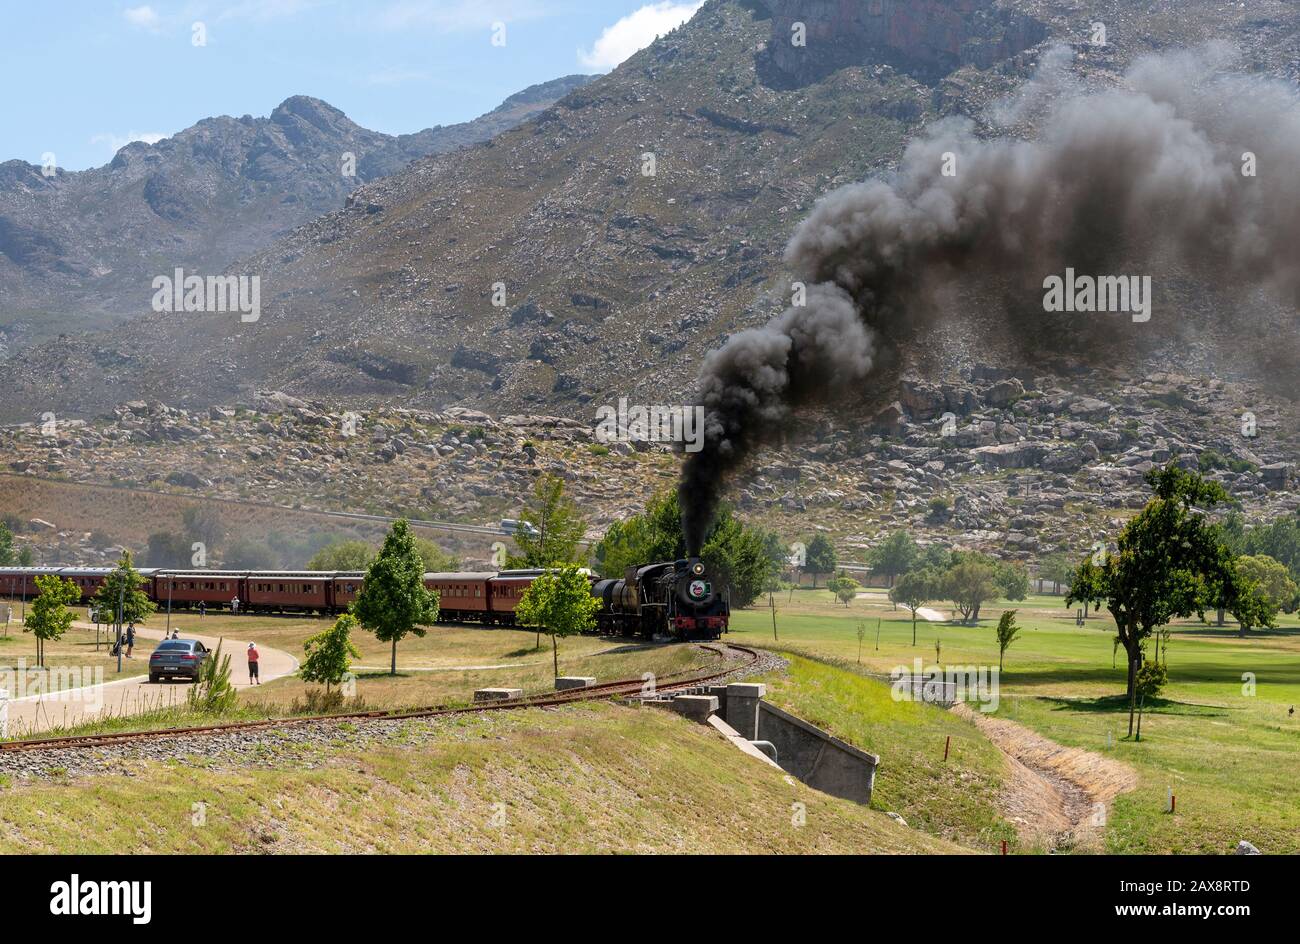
(4, 712)
(1169, 807)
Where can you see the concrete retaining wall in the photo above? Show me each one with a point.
(822, 761)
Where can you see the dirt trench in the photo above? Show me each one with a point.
(1058, 797)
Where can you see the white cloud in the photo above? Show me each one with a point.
(116, 142)
(145, 17)
(636, 31)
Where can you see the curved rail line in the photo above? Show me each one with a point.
(593, 693)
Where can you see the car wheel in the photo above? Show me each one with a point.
(154, 679)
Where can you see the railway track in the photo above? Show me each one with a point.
(668, 683)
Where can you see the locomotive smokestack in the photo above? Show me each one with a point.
(1186, 165)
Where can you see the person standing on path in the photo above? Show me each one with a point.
(130, 638)
(253, 656)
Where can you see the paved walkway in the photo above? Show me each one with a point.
(877, 596)
(134, 695)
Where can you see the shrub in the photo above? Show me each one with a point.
(213, 694)
(318, 701)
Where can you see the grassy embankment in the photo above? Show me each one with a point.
(1231, 756)
(592, 778)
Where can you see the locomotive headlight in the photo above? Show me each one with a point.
(698, 569)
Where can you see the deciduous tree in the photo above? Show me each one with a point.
(551, 527)
(1012, 581)
(820, 557)
(914, 590)
(1170, 563)
(845, 588)
(394, 602)
(329, 653)
(1271, 582)
(559, 603)
(895, 555)
(7, 553)
(123, 585)
(342, 555)
(970, 583)
(737, 556)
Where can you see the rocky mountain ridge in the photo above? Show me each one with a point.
(602, 248)
(79, 248)
(1019, 463)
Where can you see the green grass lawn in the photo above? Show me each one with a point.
(70, 662)
(955, 799)
(444, 667)
(523, 666)
(1231, 757)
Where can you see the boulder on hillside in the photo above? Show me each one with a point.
(276, 401)
(1004, 392)
(889, 421)
(1277, 476)
(186, 479)
(1017, 455)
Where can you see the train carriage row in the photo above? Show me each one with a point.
(468, 596)
(671, 599)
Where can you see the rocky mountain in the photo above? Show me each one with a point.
(80, 248)
(1034, 460)
(603, 247)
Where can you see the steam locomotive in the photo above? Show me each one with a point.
(675, 599)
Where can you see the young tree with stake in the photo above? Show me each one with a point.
(49, 617)
(1007, 631)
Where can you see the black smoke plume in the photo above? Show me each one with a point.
(1117, 181)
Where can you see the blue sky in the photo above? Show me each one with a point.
(86, 76)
